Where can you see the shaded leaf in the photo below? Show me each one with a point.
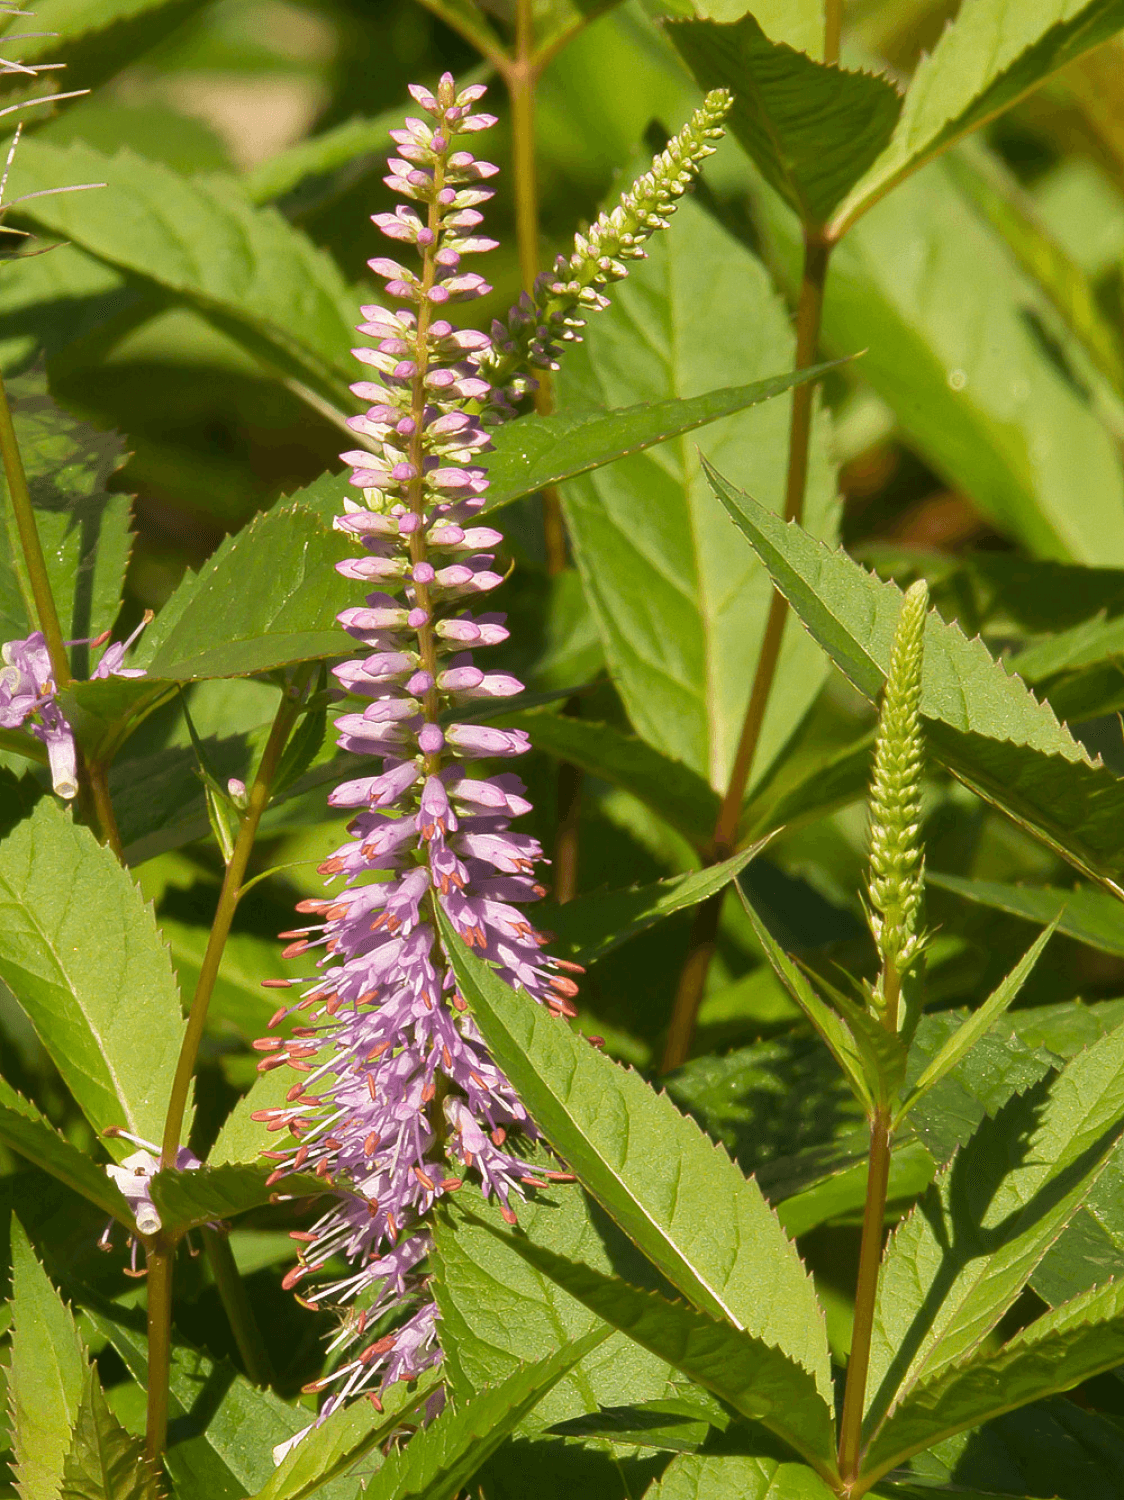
(754, 1377)
(82, 956)
(105, 1462)
(680, 1199)
(669, 788)
(497, 1311)
(1090, 916)
(25, 1130)
(674, 1423)
(990, 57)
(259, 280)
(442, 1458)
(46, 1375)
(588, 927)
(813, 130)
(682, 613)
(83, 530)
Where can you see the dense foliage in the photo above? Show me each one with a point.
(769, 1140)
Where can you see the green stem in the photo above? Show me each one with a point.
(160, 1257)
(832, 29)
(229, 896)
(866, 1300)
(97, 778)
(36, 588)
(692, 981)
(232, 1291)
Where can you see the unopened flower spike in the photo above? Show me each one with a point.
(897, 859)
(396, 1099)
(555, 311)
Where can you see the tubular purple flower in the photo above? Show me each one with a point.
(398, 1097)
(28, 692)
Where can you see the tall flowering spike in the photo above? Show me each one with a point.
(555, 311)
(396, 1096)
(897, 859)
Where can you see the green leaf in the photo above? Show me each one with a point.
(984, 63)
(849, 1050)
(1092, 917)
(964, 348)
(813, 130)
(589, 927)
(440, 1460)
(533, 452)
(799, 23)
(984, 724)
(25, 1130)
(680, 611)
(734, 1477)
(671, 789)
(105, 712)
(185, 1200)
(1056, 1352)
(82, 956)
(351, 1434)
(978, 1023)
(83, 530)
(242, 1139)
(957, 1263)
(245, 269)
(678, 1197)
(753, 1376)
(105, 1462)
(321, 154)
(469, 21)
(497, 1311)
(46, 1375)
(998, 196)
(675, 1424)
(81, 30)
(224, 1430)
(266, 597)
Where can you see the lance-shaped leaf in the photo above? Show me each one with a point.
(957, 1263)
(246, 269)
(851, 1051)
(1091, 916)
(673, 1424)
(988, 59)
(348, 1437)
(977, 1025)
(25, 1130)
(813, 130)
(735, 1476)
(983, 723)
(83, 32)
(589, 927)
(185, 1200)
(671, 789)
(676, 1195)
(753, 1376)
(46, 1375)
(534, 451)
(104, 1461)
(266, 597)
(498, 1312)
(681, 613)
(83, 530)
(82, 955)
(1058, 1351)
(439, 1461)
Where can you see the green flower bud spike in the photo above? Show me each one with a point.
(554, 312)
(897, 858)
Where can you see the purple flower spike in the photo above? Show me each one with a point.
(398, 1099)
